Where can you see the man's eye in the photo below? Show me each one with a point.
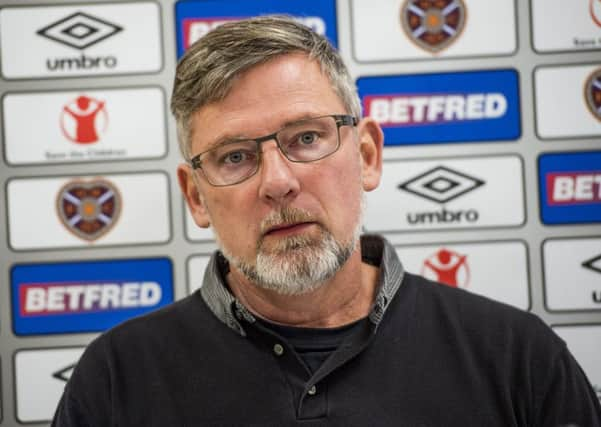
(308, 138)
(236, 157)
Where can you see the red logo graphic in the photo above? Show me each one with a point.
(433, 24)
(595, 11)
(448, 267)
(88, 209)
(569, 188)
(83, 120)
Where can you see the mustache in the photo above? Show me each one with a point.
(283, 217)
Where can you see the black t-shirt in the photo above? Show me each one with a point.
(314, 345)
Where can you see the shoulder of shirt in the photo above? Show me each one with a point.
(158, 322)
(480, 315)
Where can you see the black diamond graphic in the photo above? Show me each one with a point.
(65, 373)
(79, 30)
(441, 184)
(590, 264)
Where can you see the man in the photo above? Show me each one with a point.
(299, 321)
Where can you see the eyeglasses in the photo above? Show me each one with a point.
(303, 141)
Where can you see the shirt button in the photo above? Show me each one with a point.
(278, 349)
(312, 391)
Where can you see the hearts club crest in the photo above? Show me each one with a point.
(433, 25)
(89, 209)
(592, 93)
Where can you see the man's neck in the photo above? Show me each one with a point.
(346, 297)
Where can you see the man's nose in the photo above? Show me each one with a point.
(279, 183)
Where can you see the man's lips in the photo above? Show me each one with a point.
(286, 229)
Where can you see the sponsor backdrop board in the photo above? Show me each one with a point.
(496, 270)
(40, 376)
(80, 40)
(86, 125)
(491, 120)
(196, 18)
(461, 107)
(579, 112)
(557, 27)
(89, 210)
(573, 273)
(196, 268)
(411, 29)
(447, 193)
(570, 187)
(87, 296)
(584, 341)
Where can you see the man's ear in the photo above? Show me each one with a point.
(371, 141)
(196, 204)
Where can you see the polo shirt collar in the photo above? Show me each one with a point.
(375, 250)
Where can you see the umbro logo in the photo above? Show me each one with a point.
(441, 184)
(65, 373)
(79, 30)
(593, 264)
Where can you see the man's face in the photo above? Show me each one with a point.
(288, 216)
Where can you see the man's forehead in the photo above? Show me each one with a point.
(268, 95)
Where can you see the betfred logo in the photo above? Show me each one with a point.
(570, 187)
(195, 28)
(87, 296)
(60, 298)
(194, 19)
(449, 107)
(412, 110)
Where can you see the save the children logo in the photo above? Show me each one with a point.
(80, 31)
(433, 25)
(88, 209)
(84, 120)
(448, 267)
(592, 93)
(441, 185)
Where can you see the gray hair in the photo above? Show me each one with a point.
(207, 71)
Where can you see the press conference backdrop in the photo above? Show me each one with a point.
(491, 112)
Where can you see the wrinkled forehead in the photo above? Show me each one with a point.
(266, 96)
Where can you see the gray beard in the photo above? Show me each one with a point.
(297, 264)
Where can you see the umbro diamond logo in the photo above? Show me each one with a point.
(441, 184)
(65, 373)
(79, 30)
(593, 264)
